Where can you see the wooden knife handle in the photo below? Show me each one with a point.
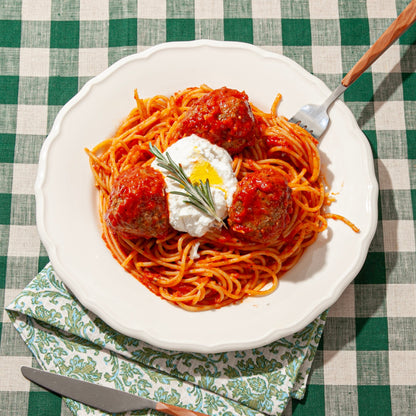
(176, 411)
(405, 19)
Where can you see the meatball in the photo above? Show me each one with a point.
(261, 206)
(224, 117)
(138, 204)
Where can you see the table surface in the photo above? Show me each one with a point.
(366, 362)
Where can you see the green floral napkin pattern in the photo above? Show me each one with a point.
(68, 339)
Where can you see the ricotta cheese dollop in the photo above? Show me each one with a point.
(200, 160)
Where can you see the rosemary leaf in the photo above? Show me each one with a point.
(198, 195)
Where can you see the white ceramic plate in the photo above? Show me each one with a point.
(67, 201)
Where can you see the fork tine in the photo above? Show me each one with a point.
(312, 118)
(296, 119)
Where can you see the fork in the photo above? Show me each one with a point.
(314, 118)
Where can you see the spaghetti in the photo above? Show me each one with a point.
(219, 268)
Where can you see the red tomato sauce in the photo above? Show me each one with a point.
(261, 206)
(138, 204)
(224, 117)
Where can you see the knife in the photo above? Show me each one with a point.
(101, 397)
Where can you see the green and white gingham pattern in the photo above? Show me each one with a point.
(366, 361)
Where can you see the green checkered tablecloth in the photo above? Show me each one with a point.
(366, 360)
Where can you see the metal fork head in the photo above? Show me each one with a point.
(312, 118)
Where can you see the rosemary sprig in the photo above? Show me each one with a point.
(197, 194)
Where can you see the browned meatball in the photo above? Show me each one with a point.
(261, 206)
(224, 117)
(138, 204)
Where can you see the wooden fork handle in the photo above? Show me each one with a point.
(405, 19)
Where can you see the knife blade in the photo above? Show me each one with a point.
(101, 397)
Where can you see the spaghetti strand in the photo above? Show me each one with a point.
(218, 269)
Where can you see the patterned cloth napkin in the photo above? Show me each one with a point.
(67, 339)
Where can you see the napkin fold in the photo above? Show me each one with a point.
(68, 339)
